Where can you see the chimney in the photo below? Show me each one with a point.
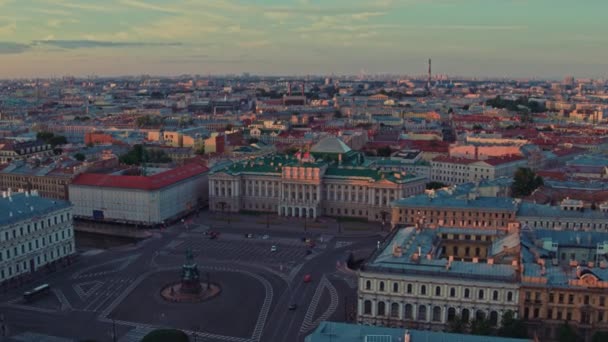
(429, 256)
(490, 261)
(475, 260)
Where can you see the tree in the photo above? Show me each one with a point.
(567, 334)
(200, 151)
(79, 156)
(45, 136)
(384, 151)
(525, 182)
(481, 326)
(477, 127)
(228, 127)
(57, 140)
(458, 325)
(253, 140)
(166, 335)
(511, 326)
(337, 114)
(600, 336)
(435, 185)
(57, 151)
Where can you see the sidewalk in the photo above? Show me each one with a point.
(274, 223)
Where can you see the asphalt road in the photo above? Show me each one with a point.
(116, 291)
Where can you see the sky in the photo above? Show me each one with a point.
(473, 38)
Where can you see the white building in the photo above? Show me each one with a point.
(453, 170)
(427, 278)
(147, 200)
(34, 232)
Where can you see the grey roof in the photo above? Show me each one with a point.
(330, 145)
(527, 209)
(21, 206)
(345, 332)
(489, 203)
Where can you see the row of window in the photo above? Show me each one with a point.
(421, 313)
(438, 291)
(32, 245)
(34, 227)
(22, 267)
(585, 317)
(560, 298)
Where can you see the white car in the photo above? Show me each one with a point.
(265, 237)
(273, 248)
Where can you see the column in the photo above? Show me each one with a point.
(415, 312)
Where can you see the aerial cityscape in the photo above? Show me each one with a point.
(303, 171)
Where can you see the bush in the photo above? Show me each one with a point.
(166, 335)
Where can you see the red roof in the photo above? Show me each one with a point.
(503, 160)
(153, 182)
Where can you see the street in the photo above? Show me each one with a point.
(114, 294)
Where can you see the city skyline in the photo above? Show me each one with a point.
(539, 39)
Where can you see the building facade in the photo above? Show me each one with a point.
(307, 188)
(146, 200)
(426, 278)
(454, 170)
(35, 233)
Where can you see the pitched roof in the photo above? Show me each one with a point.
(153, 182)
(330, 145)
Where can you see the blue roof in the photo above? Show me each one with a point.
(345, 332)
(21, 206)
(527, 209)
(490, 203)
(410, 241)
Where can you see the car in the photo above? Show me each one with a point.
(308, 252)
(265, 237)
(307, 278)
(273, 248)
(249, 236)
(293, 306)
(213, 235)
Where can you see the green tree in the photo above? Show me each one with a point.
(458, 325)
(253, 140)
(435, 185)
(511, 326)
(384, 151)
(337, 114)
(79, 156)
(600, 336)
(57, 140)
(228, 127)
(525, 182)
(166, 335)
(567, 334)
(45, 136)
(481, 327)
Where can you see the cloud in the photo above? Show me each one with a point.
(12, 48)
(148, 6)
(8, 29)
(254, 43)
(80, 44)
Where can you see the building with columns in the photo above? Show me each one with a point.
(425, 278)
(330, 180)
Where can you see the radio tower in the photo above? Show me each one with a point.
(428, 82)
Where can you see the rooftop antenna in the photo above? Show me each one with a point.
(428, 82)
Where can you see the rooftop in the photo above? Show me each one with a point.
(345, 332)
(488, 203)
(330, 145)
(21, 206)
(154, 182)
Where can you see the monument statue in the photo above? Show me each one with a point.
(190, 276)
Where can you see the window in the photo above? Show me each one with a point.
(409, 288)
(509, 296)
(422, 313)
(467, 293)
(381, 309)
(368, 285)
(602, 301)
(452, 292)
(570, 299)
(438, 291)
(495, 295)
(493, 318)
(480, 294)
(395, 287)
(436, 314)
(423, 290)
(381, 287)
(407, 313)
(586, 300)
(560, 298)
(465, 315)
(395, 310)
(451, 314)
(367, 307)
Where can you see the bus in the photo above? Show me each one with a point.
(37, 291)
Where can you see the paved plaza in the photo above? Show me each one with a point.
(116, 292)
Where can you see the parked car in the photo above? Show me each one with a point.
(293, 306)
(249, 236)
(213, 235)
(265, 237)
(307, 278)
(273, 248)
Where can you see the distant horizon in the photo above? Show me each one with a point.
(505, 39)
